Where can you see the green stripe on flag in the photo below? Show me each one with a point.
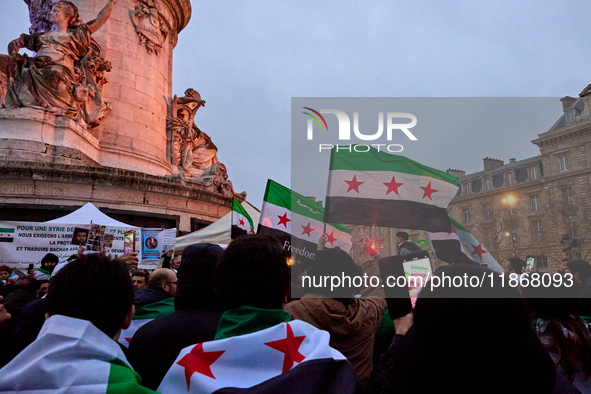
(237, 207)
(6, 230)
(457, 225)
(155, 309)
(279, 195)
(123, 379)
(373, 160)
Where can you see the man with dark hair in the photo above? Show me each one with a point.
(155, 346)
(262, 348)
(48, 263)
(162, 284)
(580, 269)
(514, 265)
(404, 245)
(89, 301)
(139, 278)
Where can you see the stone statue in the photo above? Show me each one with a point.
(191, 150)
(149, 25)
(65, 75)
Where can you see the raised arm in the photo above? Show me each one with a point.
(102, 17)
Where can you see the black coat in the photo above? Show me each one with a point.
(149, 296)
(156, 345)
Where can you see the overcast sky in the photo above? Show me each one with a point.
(249, 58)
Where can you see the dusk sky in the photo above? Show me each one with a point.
(249, 58)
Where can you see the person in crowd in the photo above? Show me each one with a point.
(162, 284)
(465, 339)
(404, 245)
(566, 337)
(43, 288)
(352, 322)
(257, 345)
(89, 301)
(139, 278)
(4, 274)
(581, 274)
(48, 263)
(155, 346)
(514, 265)
(175, 264)
(4, 317)
(23, 291)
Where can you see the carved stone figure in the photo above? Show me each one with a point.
(191, 150)
(217, 175)
(67, 72)
(149, 26)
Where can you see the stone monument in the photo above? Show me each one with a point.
(91, 116)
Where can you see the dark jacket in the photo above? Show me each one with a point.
(408, 247)
(149, 296)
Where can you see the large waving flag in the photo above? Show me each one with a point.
(70, 356)
(292, 357)
(297, 222)
(144, 315)
(459, 246)
(379, 189)
(241, 220)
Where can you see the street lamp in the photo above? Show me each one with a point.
(510, 200)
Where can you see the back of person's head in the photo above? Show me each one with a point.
(196, 289)
(93, 288)
(159, 277)
(403, 235)
(581, 267)
(27, 284)
(516, 264)
(338, 263)
(49, 257)
(252, 271)
(472, 339)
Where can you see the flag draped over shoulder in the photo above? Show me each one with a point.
(379, 189)
(297, 222)
(144, 315)
(70, 355)
(459, 246)
(241, 220)
(290, 357)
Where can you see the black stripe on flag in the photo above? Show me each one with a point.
(386, 213)
(299, 249)
(2, 239)
(237, 232)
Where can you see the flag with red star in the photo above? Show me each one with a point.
(379, 189)
(297, 222)
(241, 220)
(291, 357)
(145, 315)
(460, 247)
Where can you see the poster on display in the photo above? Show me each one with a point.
(24, 243)
(156, 243)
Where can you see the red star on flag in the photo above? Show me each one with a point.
(393, 186)
(198, 361)
(479, 250)
(290, 347)
(453, 231)
(331, 238)
(128, 340)
(283, 219)
(428, 190)
(354, 184)
(241, 223)
(251, 231)
(307, 229)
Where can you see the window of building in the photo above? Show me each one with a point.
(570, 116)
(563, 163)
(533, 173)
(466, 215)
(487, 184)
(536, 227)
(465, 189)
(541, 261)
(362, 230)
(486, 212)
(535, 202)
(510, 178)
(568, 199)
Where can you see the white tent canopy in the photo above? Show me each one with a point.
(218, 232)
(89, 214)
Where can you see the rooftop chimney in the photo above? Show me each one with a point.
(490, 163)
(458, 173)
(567, 102)
(512, 160)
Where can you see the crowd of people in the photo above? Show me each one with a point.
(226, 320)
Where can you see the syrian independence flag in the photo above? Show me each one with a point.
(145, 315)
(41, 274)
(459, 246)
(297, 222)
(379, 189)
(6, 234)
(289, 358)
(70, 356)
(12, 277)
(241, 220)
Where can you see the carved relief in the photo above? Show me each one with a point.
(68, 71)
(191, 150)
(149, 25)
(217, 176)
